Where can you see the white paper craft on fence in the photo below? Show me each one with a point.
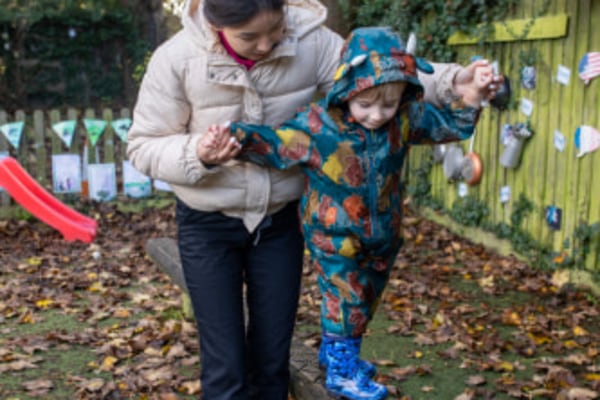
(102, 181)
(135, 184)
(66, 173)
(162, 185)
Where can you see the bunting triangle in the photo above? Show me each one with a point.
(65, 131)
(13, 132)
(121, 127)
(95, 129)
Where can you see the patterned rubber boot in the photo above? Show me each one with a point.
(366, 367)
(344, 379)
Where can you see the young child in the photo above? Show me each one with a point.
(351, 146)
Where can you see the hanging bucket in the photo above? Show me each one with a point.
(453, 162)
(439, 151)
(511, 155)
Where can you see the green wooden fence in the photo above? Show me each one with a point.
(39, 142)
(549, 33)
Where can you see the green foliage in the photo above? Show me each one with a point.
(67, 53)
(433, 21)
(520, 209)
(418, 186)
(472, 212)
(469, 211)
(586, 239)
(140, 69)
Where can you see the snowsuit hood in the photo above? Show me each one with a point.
(373, 56)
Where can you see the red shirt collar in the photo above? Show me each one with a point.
(240, 60)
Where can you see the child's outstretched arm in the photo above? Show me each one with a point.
(429, 124)
(283, 147)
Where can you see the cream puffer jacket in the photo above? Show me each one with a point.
(191, 82)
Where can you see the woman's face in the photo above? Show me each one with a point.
(256, 38)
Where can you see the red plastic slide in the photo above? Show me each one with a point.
(35, 199)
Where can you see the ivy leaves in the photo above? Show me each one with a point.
(433, 21)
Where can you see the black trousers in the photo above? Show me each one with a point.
(219, 256)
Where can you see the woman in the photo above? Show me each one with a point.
(256, 61)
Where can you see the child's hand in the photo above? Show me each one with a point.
(477, 83)
(217, 145)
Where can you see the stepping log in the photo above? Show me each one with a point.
(306, 380)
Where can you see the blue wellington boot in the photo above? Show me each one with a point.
(344, 379)
(366, 367)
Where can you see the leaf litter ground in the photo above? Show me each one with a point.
(457, 321)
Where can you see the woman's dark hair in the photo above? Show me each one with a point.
(223, 13)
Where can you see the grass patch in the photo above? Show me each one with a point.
(60, 365)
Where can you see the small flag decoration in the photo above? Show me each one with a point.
(65, 130)
(95, 129)
(589, 66)
(13, 132)
(587, 139)
(121, 127)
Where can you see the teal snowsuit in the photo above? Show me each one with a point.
(351, 207)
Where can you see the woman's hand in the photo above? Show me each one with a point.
(477, 83)
(217, 146)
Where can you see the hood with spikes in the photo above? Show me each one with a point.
(373, 56)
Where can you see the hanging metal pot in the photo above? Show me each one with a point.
(472, 168)
(439, 151)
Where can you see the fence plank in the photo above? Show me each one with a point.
(108, 137)
(39, 147)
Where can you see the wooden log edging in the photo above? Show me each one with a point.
(306, 380)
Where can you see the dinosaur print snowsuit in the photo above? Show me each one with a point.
(351, 208)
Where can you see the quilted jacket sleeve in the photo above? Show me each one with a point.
(283, 147)
(439, 85)
(158, 144)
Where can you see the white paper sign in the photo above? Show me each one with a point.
(563, 75)
(135, 184)
(463, 189)
(161, 185)
(66, 173)
(102, 181)
(526, 106)
(504, 194)
(559, 140)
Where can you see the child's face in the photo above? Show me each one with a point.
(373, 112)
